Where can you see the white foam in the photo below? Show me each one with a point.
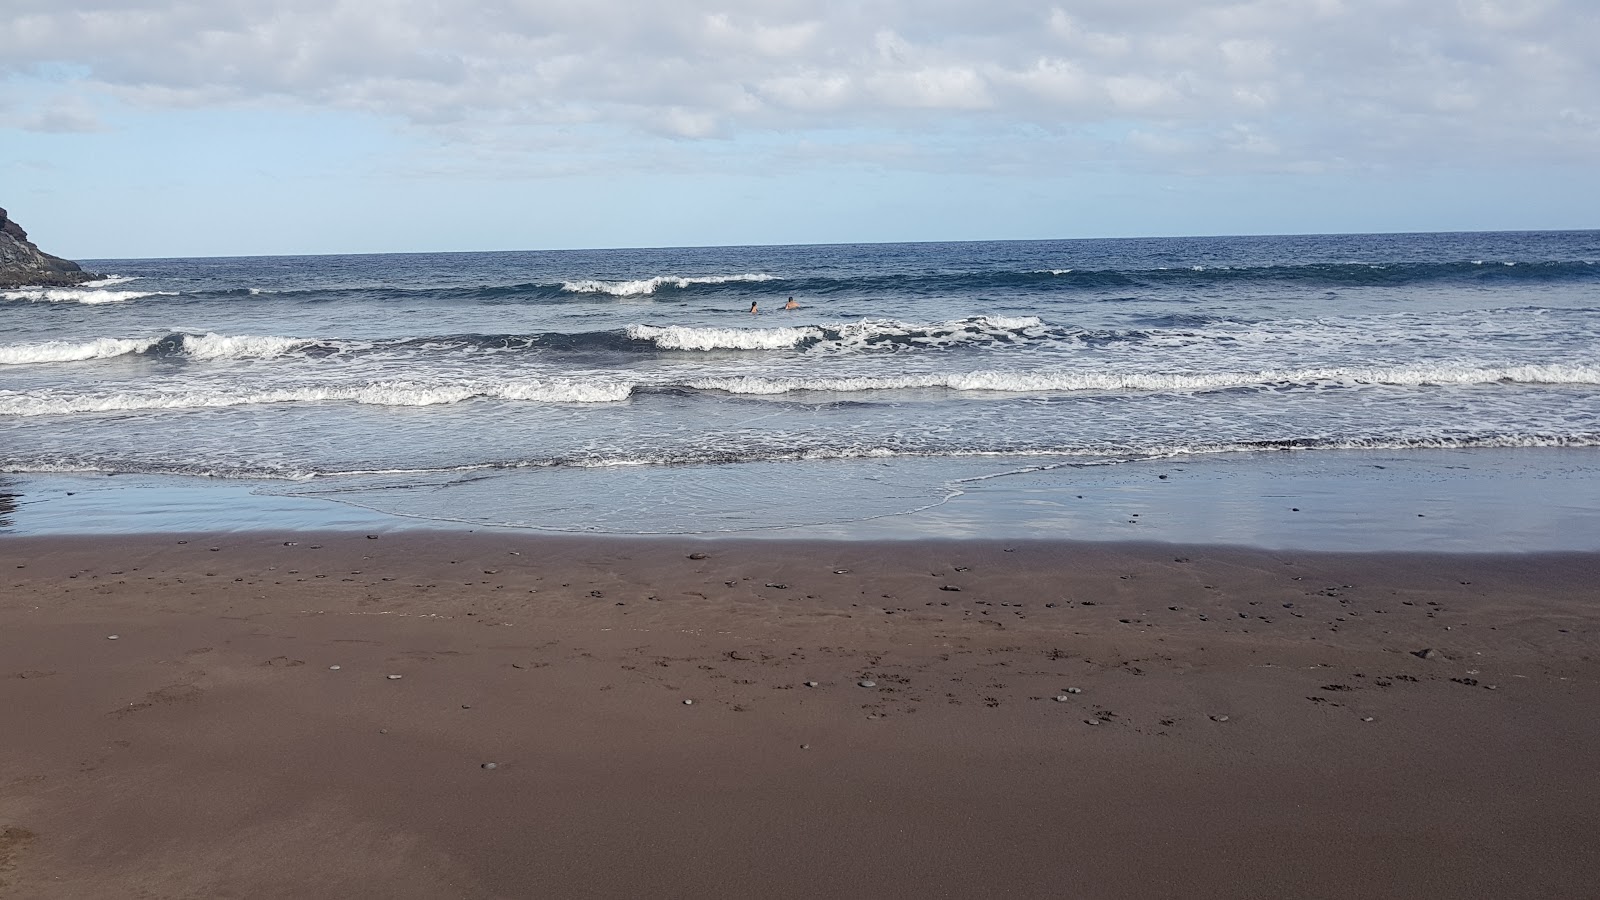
(381, 393)
(832, 337)
(109, 280)
(871, 333)
(684, 337)
(198, 346)
(1179, 382)
(1008, 323)
(223, 346)
(643, 286)
(72, 351)
(565, 391)
(78, 295)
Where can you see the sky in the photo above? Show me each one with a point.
(148, 128)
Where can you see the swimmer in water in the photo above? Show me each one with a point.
(791, 304)
(752, 307)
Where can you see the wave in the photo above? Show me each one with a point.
(1179, 382)
(823, 285)
(1345, 274)
(688, 337)
(617, 388)
(1077, 279)
(1045, 457)
(643, 286)
(196, 346)
(72, 351)
(377, 393)
(864, 334)
(851, 335)
(78, 295)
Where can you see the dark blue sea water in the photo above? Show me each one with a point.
(633, 390)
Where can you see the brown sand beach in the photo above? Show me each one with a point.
(194, 716)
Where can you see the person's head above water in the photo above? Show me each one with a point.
(791, 304)
(752, 305)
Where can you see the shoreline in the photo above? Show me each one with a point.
(1265, 723)
(1463, 501)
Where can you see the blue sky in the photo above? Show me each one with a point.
(133, 128)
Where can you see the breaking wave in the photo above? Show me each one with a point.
(864, 334)
(688, 337)
(196, 346)
(616, 388)
(642, 286)
(861, 334)
(78, 295)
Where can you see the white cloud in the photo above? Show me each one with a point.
(1242, 84)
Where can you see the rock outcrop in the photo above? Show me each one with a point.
(21, 263)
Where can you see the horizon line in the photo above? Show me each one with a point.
(1130, 237)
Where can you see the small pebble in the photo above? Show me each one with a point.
(491, 765)
(112, 637)
(805, 746)
(1091, 721)
(841, 571)
(688, 703)
(466, 706)
(811, 684)
(1074, 690)
(697, 556)
(1219, 718)
(867, 683)
(1062, 698)
(1366, 718)
(394, 677)
(383, 731)
(333, 668)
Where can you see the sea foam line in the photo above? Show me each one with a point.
(1028, 382)
(381, 393)
(1093, 455)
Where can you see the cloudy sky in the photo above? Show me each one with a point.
(197, 127)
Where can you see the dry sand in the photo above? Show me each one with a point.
(1266, 728)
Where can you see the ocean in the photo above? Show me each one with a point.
(633, 391)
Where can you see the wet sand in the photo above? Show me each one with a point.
(1267, 724)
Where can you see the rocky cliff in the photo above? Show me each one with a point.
(22, 263)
